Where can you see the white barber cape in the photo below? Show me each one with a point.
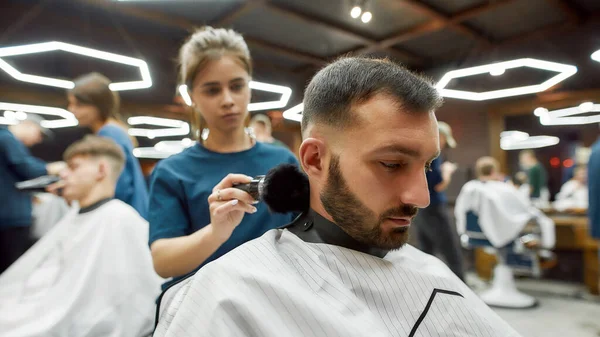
(572, 195)
(279, 285)
(91, 275)
(502, 212)
(47, 211)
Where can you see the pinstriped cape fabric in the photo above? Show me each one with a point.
(279, 285)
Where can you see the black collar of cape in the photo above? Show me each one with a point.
(94, 206)
(311, 227)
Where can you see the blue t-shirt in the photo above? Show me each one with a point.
(594, 190)
(434, 177)
(181, 184)
(16, 164)
(131, 186)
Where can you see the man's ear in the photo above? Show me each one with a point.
(103, 170)
(312, 153)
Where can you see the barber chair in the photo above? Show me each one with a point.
(514, 258)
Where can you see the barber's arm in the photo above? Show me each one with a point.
(446, 170)
(21, 162)
(175, 252)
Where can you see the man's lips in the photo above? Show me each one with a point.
(400, 221)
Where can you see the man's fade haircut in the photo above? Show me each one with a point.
(97, 147)
(335, 89)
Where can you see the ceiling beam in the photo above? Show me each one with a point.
(188, 25)
(571, 13)
(239, 11)
(432, 26)
(437, 16)
(478, 10)
(331, 26)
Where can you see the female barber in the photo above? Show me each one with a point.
(95, 106)
(186, 231)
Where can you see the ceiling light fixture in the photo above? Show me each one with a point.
(67, 119)
(564, 71)
(366, 17)
(294, 113)
(145, 82)
(518, 140)
(568, 116)
(355, 12)
(285, 92)
(596, 56)
(163, 149)
(174, 127)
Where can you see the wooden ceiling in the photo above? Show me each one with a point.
(291, 39)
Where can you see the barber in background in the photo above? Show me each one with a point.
(16, 165)
(261, 125)
(536, 175)
(95, 106)
(594, 191)
(435, 230)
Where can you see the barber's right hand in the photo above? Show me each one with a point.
(228, 205)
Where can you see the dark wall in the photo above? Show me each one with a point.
(469, 124)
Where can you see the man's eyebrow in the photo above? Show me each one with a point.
(397, 149)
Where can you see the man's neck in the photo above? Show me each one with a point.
(314, 227)
(487, 178)
(97, 193)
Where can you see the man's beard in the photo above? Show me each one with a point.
(356, 219)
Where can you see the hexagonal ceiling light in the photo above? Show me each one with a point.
(145, 82)
(568, 116)
(172, 127)
(518, 140)
(294, 113)
(285, 92)
(14, 112)
(596, 56)
(563, 71)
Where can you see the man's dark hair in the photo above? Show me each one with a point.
(333, 91)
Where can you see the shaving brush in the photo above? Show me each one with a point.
(284, 189)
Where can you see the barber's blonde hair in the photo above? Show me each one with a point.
(98, 147)
(205, 45)
(486, 166)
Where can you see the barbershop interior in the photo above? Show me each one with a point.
(300, 168)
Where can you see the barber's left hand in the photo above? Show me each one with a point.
(56, 188)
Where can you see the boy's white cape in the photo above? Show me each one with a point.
(91, 275)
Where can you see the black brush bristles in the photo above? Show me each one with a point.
(286, 189)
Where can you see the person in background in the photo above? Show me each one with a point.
(16, 165)
(95, 106)
(594, 191)
(574, 193)
(186, 231)
(434, 228)
(91, 275)
(536, 175)
(581, 157)
(502, 214)
(261, 125)
(519, 181)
